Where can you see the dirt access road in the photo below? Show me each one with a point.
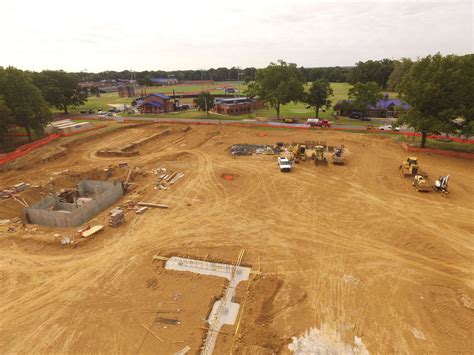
(351, 250)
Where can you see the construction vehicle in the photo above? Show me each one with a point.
(289, 120)
(441, 185)
(410, 167)
(421, 184)
(319, 156)
(284, 164)
(370, 127)
(338, 156)
(288, 154)
(299, 152)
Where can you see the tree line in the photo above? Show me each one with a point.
(26, 99)
(333, 74)
(439, 90)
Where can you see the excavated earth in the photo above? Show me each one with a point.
(354, 248)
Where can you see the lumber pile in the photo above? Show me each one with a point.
(154, 205)
(87, 232)
(166, 179)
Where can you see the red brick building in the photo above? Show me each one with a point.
(237, 106)
(156, 103)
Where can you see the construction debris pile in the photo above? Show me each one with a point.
(250, 149)
(9, 192)
(167, 178)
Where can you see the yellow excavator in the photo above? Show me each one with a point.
(410, 167)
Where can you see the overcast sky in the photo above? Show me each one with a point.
(97, 35)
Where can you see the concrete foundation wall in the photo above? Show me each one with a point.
(104, 195)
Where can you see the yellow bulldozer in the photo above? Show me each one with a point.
(319, 156)
(299, 152)
(410, 167)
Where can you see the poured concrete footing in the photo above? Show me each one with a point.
(224, 310)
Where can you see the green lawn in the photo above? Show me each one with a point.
(297, 110)
(191, 114)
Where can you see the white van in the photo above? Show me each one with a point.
(312, 121)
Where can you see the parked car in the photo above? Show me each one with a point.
(389, 127)
(356, 115)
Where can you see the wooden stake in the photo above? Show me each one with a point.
(149, 330)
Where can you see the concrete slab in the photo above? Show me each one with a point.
(207, 268)
(224, 311)
(229, 313)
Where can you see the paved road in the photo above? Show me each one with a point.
(248, 121)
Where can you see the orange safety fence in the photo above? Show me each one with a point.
(449, 153)
(26, 148)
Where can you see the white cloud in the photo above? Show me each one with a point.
(116, 35)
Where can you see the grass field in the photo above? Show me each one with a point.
(297, 110)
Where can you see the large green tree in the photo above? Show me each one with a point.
(364, 95)
(318, 95)
(24, 99)
(278, 84)
(463, 95)
(60, 89)
(401, 67)
(437, 88)
(372, 70)
(204, 102)
(6, 120)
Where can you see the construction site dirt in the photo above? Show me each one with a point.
(351, 250)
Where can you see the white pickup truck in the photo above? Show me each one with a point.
(284, 164)
(389, 128)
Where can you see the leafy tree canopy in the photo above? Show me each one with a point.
(318, 95)
(204, 101)
(24, 100)
(278, 84)
(439, 90)
(365, 95)
(401, 67)
(372, 70)
(60, 89)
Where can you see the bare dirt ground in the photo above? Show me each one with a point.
(354, 249)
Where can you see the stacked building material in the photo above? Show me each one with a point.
(116, 218)
(249, 149)
(166, 178)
